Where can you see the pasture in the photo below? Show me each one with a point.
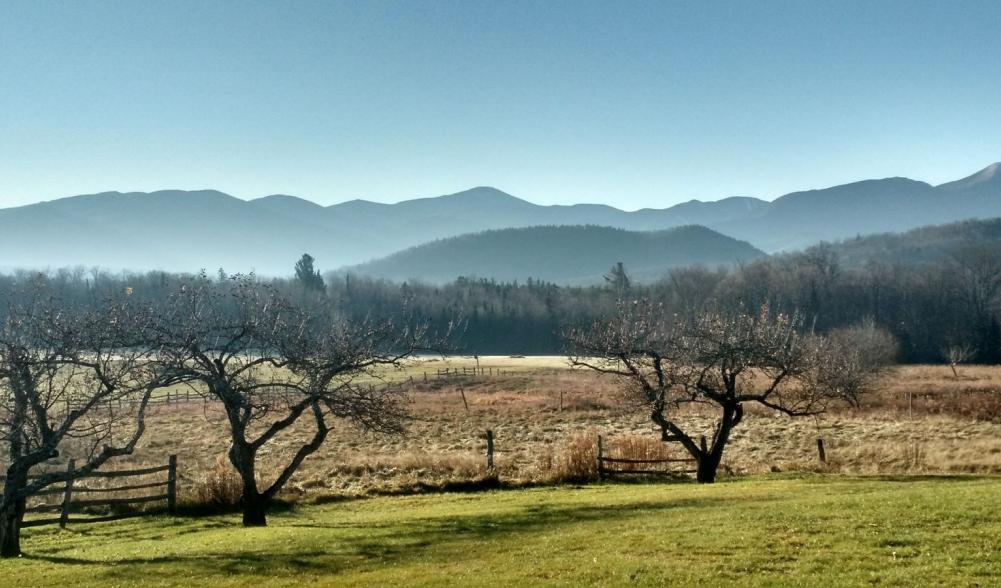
(922, 420)
(805, 530)
(907, 492)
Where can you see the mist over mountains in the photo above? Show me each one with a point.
(187, 230)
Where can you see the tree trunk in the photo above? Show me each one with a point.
(706, 473)
(12, 513)
(710, 459)
(255, 511)
(254, 505)
(10, 529)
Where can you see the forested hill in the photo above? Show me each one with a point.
(955, 241)
(560, 254)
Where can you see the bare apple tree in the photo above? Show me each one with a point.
(273, 367)
(957, 354)
(725, 361)
(73, 383)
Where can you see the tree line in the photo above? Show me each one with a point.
(933, 309)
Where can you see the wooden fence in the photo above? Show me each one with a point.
(649, 465)
(464, 371)
(164, 491)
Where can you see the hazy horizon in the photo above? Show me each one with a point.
(249, 198)
(639, 107)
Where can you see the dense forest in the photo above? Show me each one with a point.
(951, 302)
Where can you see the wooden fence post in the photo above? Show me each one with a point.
(600, 465)
(64, 514)
(172, 485)
(464, 403)
(490, 449)
(820, 450)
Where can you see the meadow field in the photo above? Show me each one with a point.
(907, 493)
(543, 415)
(776, 530)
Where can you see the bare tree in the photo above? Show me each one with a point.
(721, 360)
(957, 354)
(274, 367)
(73, 383)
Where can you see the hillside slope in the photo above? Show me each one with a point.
(563, 254)
(925, 244)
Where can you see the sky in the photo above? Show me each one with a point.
(633, 104)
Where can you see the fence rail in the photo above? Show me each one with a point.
(604, 470)
(165, 491)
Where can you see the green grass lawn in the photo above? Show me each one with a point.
(757, 531)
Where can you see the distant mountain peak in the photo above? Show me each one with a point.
(988, 174)
(202, 193)
(482, 193)
(359, 203)
(284, 200)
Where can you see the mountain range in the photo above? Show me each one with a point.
(186, 230)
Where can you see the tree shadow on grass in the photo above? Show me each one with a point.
(149, 529)
(928, 478)
(900, 478)
(352, 545)
(219, 563)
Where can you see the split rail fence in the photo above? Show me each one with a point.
(613, 466)
(161, 491)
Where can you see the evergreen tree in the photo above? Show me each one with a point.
(617, 278)
(309, 277)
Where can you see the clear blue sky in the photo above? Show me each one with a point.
(629, 103)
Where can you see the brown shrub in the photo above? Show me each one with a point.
(573, 459)
(220, 487)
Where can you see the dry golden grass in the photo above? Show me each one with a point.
(545, 419)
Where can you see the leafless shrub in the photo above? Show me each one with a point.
(220, 487)
(638, 447)
(572, 459)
